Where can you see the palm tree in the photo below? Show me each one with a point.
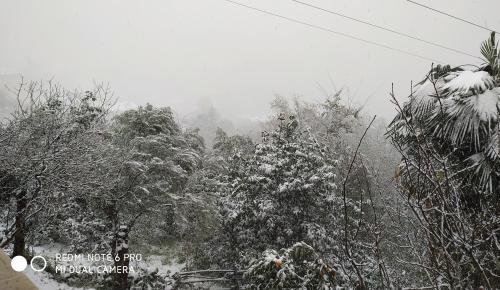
(448, 135)
(456, 111)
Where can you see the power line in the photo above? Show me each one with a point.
(385, 28)
(452, 16)
(333, 31)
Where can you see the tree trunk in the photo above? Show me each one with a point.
(120, 254)
(20, 230)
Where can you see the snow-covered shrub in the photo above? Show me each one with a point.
(147, 280)
(297, 267)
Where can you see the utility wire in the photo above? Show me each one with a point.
(452, 16)
(385, 28)
(334, 32)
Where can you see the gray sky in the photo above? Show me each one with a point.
(182, 53)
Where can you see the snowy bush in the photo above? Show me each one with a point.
(297, 267)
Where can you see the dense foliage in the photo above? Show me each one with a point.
(296, 267)
(312, 204)
(286, 194)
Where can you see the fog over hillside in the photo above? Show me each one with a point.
(177, 53)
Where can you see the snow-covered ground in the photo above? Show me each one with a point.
(44, 282)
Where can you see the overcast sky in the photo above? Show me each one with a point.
(181, 53)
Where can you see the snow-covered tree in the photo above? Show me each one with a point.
(205, 194)
(286, 194)
(149, 163)
(366, 173)
(43, 145)
(448, 134)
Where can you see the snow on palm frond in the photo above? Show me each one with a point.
(467, 120)
(486, 105)
(458, 109)
(469, 82)
(422, 102)
(464, 116)
(424, 98)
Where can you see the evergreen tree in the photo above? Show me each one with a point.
(206, 193)
(286, 194)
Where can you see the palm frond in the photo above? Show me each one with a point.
(489, 49)
(466, 120)
(482, 171)
(491, 53)
(457, 112)
(469, 82)
(493, 148)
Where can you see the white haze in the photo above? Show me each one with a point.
(183, 53)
